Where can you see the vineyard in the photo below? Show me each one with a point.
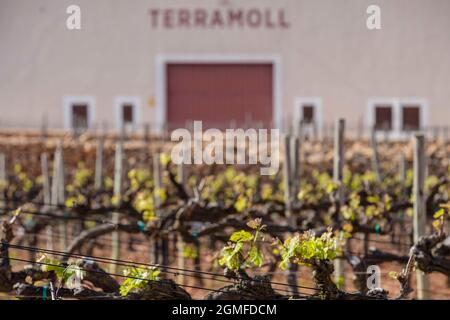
(112, 217)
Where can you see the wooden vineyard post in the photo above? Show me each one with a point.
(197, 262)
(98, 179)
(2, 167)
(287, 179)
(174, 241)
(295, 188)
(156, 200)
(325, 133)
(446, 140)
(435, 134)
(402, 168)
(145, 144)
(57, 192)
(295, 164)
(161, 250)
(181, 261)
(2, 176)
(419, 221)
(157, 176)
(2, 181)
(360, 129)
(118, 173)
(299, 128)
(123, 133)
(61, 199)
(146, 132)
(375, 162)
(375, 159)
(45, 178)
(44, 128)
(338, 169)
(47, 197)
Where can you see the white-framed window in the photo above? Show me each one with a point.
(308, 115)
(412, 115)
(382, 114)
(79, 112)
(398, 116)
(127, 111)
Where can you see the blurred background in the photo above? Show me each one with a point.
(148, 65)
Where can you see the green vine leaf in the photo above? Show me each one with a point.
(241, 236)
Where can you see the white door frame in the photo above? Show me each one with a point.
(423, 111)
(162, 60)
(119, 101)
(317, 103)
(370, 115)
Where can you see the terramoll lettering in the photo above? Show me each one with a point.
(251, 18)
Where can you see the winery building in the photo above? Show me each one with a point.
(115, 64)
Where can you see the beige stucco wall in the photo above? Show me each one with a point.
(327, 52)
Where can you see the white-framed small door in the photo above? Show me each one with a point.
(308, 116)
(79, 112)
(127, 111)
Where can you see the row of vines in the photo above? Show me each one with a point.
(105, 218)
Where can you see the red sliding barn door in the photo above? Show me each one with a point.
(219, 93)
